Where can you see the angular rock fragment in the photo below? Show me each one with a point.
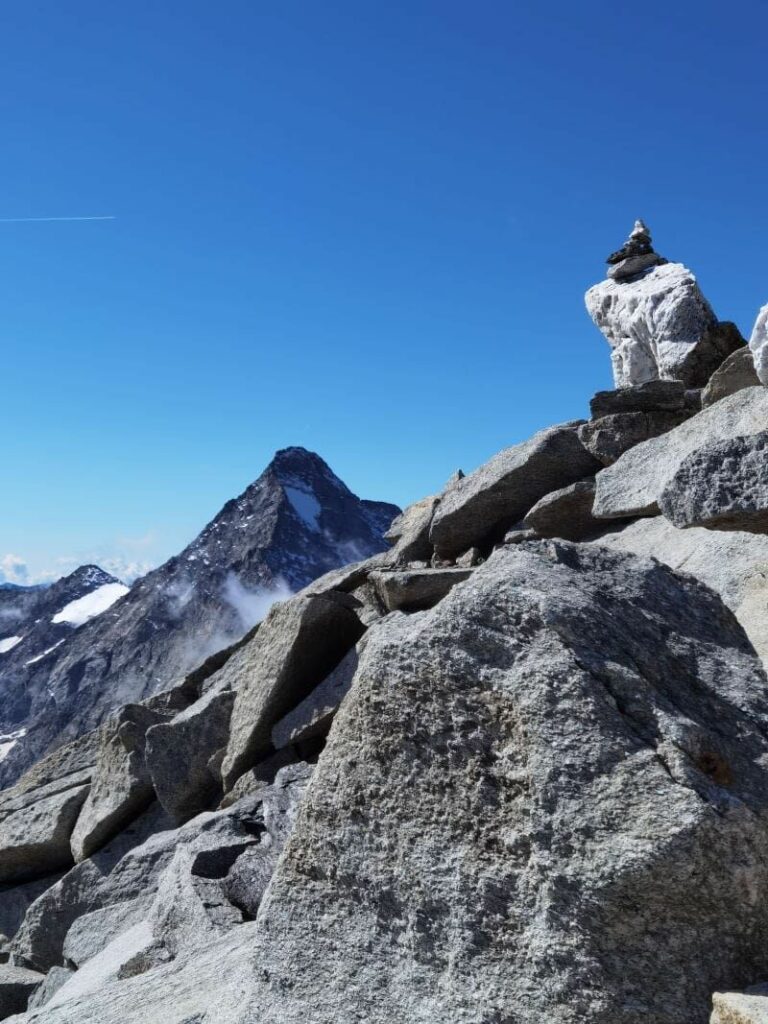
(93, 931)
(660, 326)
(298, 644)
(121, 787)
(416, 589)
(633, 484)
(16, 986)
(652, 396)
(410, 532)
(313, 716)
(566, 513)
(538, 786)
(178, 754)
(721, 486)
(34, 840)
(736, 373)
(53, 981)
(480, 508)
(609, 437)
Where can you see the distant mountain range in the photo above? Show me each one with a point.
(72, 652)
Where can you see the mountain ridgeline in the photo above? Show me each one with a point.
(295, 523)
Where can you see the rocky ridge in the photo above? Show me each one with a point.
(293, 524)
(512, 770)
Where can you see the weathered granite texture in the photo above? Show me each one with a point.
(525, 811)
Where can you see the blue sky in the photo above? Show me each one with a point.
(360, 227)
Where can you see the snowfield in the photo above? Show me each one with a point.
(9, 643)
(77, 612)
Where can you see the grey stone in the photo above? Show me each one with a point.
(566, 513)
(313, 716)
(415, 589)
(121, 787)
(298, 644)
(53, 981)
(535, 789)
(653, 396)
(480, 508)
(733, 564)
(734, 374)
(660, 326)
(633, 484)
(721, 486)
(410, 532)
(631, 266)
(609, 437)
(249, 876)
(15, 900)
(93, 931)
(178, 754)
(205, 987)
(34, 840)
(16, 986)
(471, 557)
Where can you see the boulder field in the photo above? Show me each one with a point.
(513, 770)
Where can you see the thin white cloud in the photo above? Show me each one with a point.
(43, 220)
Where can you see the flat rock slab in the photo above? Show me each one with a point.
(660, 327)
(16, 986)
(312, 717)
(722, 486)
(653, 396)
(121, 787)
(416, 589)
(633, 485)
(478, 509)
(524, 790)
(735, 374)
(34, 840)
(178, 754)
(609, 437)
(738, 1008)
(566, 513)
(296, 647)
(409, 532)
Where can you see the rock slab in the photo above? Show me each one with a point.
(523, 793)
(633, 484)
(479, 509)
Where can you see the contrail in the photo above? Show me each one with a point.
(38, 220)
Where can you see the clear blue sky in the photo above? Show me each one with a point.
(365, 228)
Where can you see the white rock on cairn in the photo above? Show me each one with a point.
(657, 321)
(758, 342)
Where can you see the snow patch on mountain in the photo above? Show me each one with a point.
(305, 505)
(34, 661)
(9, 643)
(84, 608)
(9, 741)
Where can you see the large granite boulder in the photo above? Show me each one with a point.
(566, 513)
(35, 836)
(660, 326)
(313, 716)
(121, 786)
(722, 485)
(750, 1007)
(481, 507)
(732, 563)
(179, 752)
(735, 374)
(416, 589)
(409, 532)
(633, 484)
(758, 343)
(546, 799)
(296, 647)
